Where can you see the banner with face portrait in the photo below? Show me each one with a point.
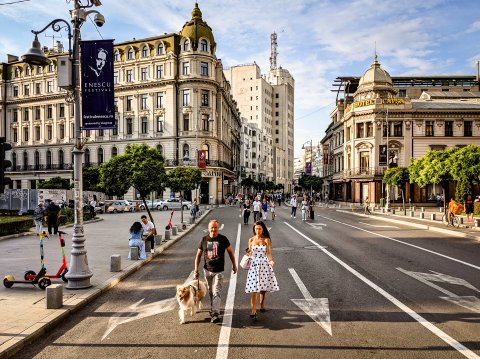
(98, 111)
(202, 159)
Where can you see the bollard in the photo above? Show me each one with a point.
(382, 210)
(134, 254)
(413, 208)
(158, 239)
(192, 220)
(179, 228)
(115, 263)
(148, 246)
(54, 296)
(412, 213)
(440, 210)
(168, 234)
(393, 210)
(477, 223)
(174, 231)
(460, 220)
(423, 209)
(422, 215)
(433, 216)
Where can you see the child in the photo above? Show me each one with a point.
(136, 240)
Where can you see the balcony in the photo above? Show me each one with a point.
(364, 172)
(53, 167)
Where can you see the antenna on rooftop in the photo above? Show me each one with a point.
(273, 51)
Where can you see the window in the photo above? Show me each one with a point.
(186, 151)
(204, 98)
(27, 71)
(369, 129)
(429, 128)
(203, 45)
(61, 110)
(160, 49)
(186, 68)
(116, 79)
(160, 149)
(276, 95)
(51, 67)
(360, 127)
(398, 129)
(159, 100)
(114, 151)
(49, 159)
(49, 111)
(186, 45)
(129, 103)
(116, 56)
(402, 93)
(129, 76)
(206, 148)
(37, 112)
(467, 128)
(144, 73)
(144, 102)
(36, 159)
(15, 135)
(186, 122)
(186, 97)
(14, 116)
(448, 128)
(26, 90)
(87, 157)
(129, 126)
(205, 122)
(49, 132)
(61, 159)
(61, 131)
(130, 54)
(204, 69)
(159, 71)
(15, 91)
(100, 133)
(115, 129)
(39, 70)
(87, 133)
(25, 160)
(145, 51)
(100, 155)
(159, 123)
(49, 86)
(144, 124)
(38, 88)
(364, 162)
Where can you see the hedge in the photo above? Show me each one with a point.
(18, 224)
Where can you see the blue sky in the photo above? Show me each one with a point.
(318, 40)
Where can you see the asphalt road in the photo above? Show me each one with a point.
(350, 287)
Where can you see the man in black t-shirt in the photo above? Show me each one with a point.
(213, 248)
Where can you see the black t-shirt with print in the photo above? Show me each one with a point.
(214, 252)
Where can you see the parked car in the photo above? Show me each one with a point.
(149, 204)
(86, 208)
(173, 203)
(120, 206)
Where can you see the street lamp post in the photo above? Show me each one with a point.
(311, 155)
(79, 273)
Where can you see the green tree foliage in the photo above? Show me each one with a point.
(248, 182)
(91, 179)
(431, 168)
(311, 182)
(55, 183)
(182, 178)
(464, 166)
(399, 177)
(141, 167)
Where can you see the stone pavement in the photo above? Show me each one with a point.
(23, 306)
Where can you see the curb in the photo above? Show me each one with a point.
(21, 340)
(417, 225)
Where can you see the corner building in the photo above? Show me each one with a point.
(170, 93)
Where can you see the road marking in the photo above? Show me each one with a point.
(315, 308)
(378, 226)
(407, 244)
(317, 225)
(224, 337)
(469, 302)
(439, 333)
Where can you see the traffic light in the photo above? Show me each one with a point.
(4, 164)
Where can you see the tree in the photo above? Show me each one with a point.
(464, 166)
(55, 183)
(181, 179)
(312, 183)
(141, 167)
(91, 179)
(248, 182)
(399, 177)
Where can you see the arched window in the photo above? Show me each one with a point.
(130, 54)
(186, 151)
(186, 45)
(145, 51)
(37, 160)
(61, 159)
(206, 148)
(49, 159)
(116, 56)
(14, 161)
(87, 158)
(100, 155)
(114, 151)
(204, 45)
(160, 49)
(160, 149)
(25, 160)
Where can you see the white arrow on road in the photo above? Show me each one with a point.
(316, 225)
(469, 302)
(315, 308)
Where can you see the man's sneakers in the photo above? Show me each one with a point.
(215, 318)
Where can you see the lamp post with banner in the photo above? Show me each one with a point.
(68, 69)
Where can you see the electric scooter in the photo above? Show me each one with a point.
(170, 225)
(63, 268)
(30, 277)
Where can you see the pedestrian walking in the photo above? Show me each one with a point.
(53, 211)
(38, 216)
(311, 206)
(272, 208)
(293, 204)
(469, 208)
(136, 240)
(264, 209)
(366, 206)
(213, 247)
(261, 277)
(304, 208)
(256, 208)
(247, 206)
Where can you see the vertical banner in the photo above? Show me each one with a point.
(202, 159)
(308, 168)
(98, 110)
(382, 157)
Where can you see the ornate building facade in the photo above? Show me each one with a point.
(170, 93)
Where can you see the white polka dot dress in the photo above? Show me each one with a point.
(260, 276)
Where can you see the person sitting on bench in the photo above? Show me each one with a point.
(136, 240)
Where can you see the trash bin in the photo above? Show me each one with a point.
(382, 202)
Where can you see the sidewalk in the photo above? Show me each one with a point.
(466, 230)
(24, 314)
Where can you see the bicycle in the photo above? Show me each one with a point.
(453, 219)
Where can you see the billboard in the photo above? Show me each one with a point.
(382, 157)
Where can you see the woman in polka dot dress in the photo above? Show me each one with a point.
(260, 277)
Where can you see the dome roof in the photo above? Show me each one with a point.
(375, 75)
(196, 28)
